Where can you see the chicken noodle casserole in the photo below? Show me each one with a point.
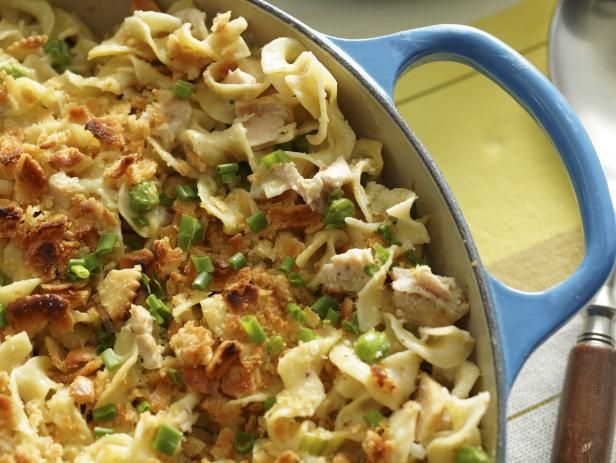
(199, 263)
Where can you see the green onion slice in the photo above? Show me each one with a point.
(59, 53)
(167, 439)
(338, 210)
(237, 261)
(269, 402)
(332, 316)
(142, 406)
(202, 281)
(471, 455)
(323, 304)
(306, 334)
(387, 234)
(257, 221)
(243, 442)
(275, 345)
(107, 412)
(296, 312)
(202, 263)
(253, 329)
(373, 418)
(230, 168)
(371, 269)
(296, 279)
(174, 376)
(110, 359)
(286, 264)
(182, 89)
(106, 243)
(380, 253)
(99, 431)
(187, 192)
(276, 157)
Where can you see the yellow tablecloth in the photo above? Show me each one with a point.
(515, 195)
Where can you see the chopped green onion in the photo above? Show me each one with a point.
(14, 70)
(202, 263)
(237, 261)
(372, 346)
(296, 312)
(275, 345)
(143, 197)
(313, 445)
(371, 269)
(110, 359)
(167, 439)
(306, 334)
(142, 406)
(373, 418)
(158, 309)
(174, 376)
(152, 285)
(243, 442)
(276, 157)
(190, 231)
(471, 455)
(269, 402)
(187, 192)
(228, 178)
(244, 172)
(296, 279)
(59, 54)
(380, 253)
(106, 243)
(99, 431)
(91, 262)
(387, 234)
(141, 221)
(321, 305)
(202, 281)
(3, 321)
(165, 200)
(182, 89)
(338, 210)
(253, 329)
(3, 279)
(230, 168)
(257, 221)
(286, 264)
(332, 316)
(80, 272)
(351, 326)
(107, 412)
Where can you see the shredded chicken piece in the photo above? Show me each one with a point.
(346, 271)
(141, 324)
(192, 344)
(82, 390)
(425, 299)
(118, 290)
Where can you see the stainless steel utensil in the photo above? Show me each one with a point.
(582, 64)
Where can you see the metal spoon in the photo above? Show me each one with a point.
(582, 64)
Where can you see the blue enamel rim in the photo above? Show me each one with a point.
(377, 63)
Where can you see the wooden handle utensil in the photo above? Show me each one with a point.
(585, 426)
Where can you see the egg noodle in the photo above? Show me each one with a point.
(199, 264)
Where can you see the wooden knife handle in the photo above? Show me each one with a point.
(585, 427)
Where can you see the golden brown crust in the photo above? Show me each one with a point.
(143, 257)
(224, 356)
(283, 216)
(33, 313)
(6, 415)
(20, 48)
(30, 179)
(166, 258)
(10, 217)
(107, 130)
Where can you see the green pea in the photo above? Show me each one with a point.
(372, 346)
(143, 197)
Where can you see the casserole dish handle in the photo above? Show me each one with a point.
(524, 319)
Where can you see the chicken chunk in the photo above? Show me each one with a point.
(425, 299)
(192, 344)
(118, 290)
(346, 273)
(141, 324)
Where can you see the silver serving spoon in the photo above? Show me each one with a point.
(582, 64)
